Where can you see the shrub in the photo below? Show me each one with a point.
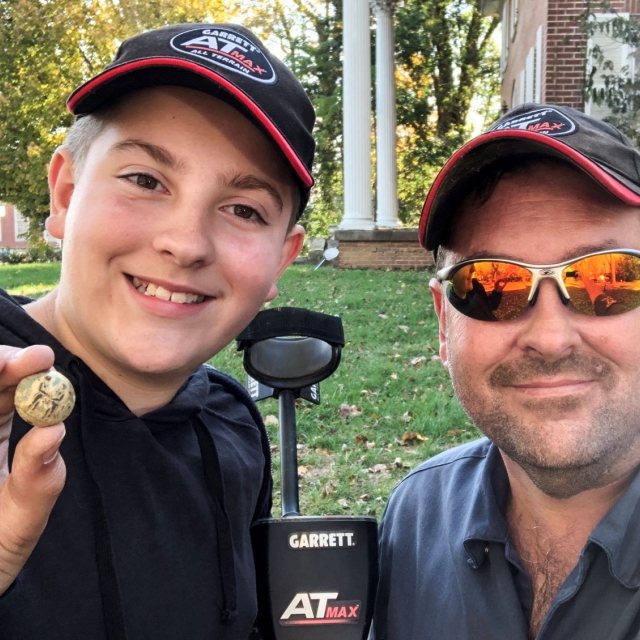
(40, 253)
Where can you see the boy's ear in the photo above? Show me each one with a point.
(290, 250)
(438, 303)
(61, 186)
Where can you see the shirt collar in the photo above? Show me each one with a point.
(486, 502)
(618, 534)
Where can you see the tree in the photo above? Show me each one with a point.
(448, 63)
(606, 82)
(48, 47)
(309, 32)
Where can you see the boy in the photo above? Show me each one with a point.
(176, 193)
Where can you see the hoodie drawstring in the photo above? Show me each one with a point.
(215, 484)
(109, 589)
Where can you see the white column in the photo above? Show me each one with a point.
(386, 142)
(356, 91)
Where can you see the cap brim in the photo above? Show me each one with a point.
(122, 79)
(448, 188)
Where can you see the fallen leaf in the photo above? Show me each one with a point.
(302, 470)
(409, 436)
(394, 376)
(364, 497)
(436, 359)
(370, 445)
(403, 327)
(406, 416)
(378, 468)
(343, 502)
(271, 421)
(348, 411)
(417, 361)
(361, 438)
(453, 433)
(381, 315)
(328, 489)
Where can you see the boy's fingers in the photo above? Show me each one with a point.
(27, 497)
(16, 364)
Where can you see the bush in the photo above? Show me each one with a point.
(41, 253)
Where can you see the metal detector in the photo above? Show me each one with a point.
(316, 575)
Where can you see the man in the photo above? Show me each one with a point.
(177, 194)
(533, 531)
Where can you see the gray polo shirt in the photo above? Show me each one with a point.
(449, 572)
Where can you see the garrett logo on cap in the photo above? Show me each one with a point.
(226, 48)
(549, 122)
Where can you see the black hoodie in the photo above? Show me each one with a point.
(149, 539)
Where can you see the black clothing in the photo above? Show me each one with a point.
(605, 305)
(477, 303)
(449, 570)
(149, 538)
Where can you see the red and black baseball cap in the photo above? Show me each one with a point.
(595, 147)
(224, 60)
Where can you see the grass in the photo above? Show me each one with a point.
(388, 407)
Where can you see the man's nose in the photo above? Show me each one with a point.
(550, 326)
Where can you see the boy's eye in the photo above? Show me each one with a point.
(146, 181)
(143, 180)
(246, 212)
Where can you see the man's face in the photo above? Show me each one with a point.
(179, 197)
(554, 389)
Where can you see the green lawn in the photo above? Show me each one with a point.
(401, 408)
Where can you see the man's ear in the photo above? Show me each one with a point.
(439, 303)
(290, 250)
(61, 186)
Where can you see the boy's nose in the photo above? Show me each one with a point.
(186, 240)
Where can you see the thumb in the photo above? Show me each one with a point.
(27, 497)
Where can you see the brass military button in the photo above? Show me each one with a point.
(44, 399)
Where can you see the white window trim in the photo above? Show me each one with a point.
(538, 86)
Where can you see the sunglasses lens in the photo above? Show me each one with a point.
(490, 290)
(604, 285)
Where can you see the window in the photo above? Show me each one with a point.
(21, 226)
(529, 75)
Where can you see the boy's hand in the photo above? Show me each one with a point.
(28, 493)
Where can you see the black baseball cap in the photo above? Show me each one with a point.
(226, 61)
(595, 147)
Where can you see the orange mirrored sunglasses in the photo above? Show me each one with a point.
(598, 284)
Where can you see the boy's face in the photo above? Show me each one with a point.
(179, 192)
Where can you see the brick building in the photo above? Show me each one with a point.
(544, 50)
(12, 226)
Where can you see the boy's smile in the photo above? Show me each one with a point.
(175, 231)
